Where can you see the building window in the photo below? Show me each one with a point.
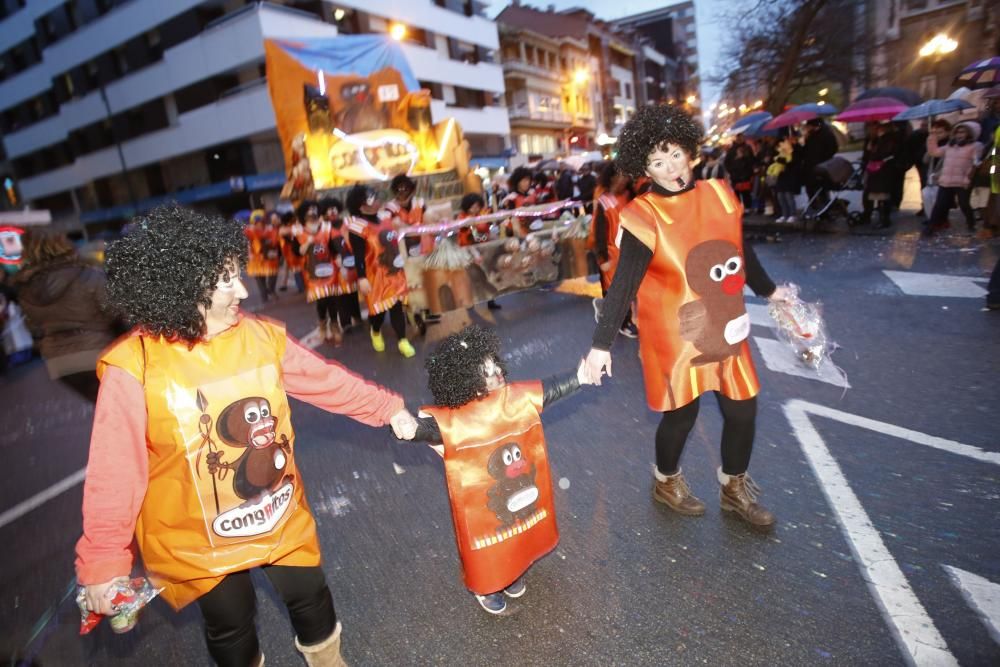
(928, 86)
(628, 91)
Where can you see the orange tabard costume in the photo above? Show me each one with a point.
(409, 218)
(383, 263)
(293, 260)
(472, 234)
(612, 207)
(265, 252)
(325, 273)
(691, 313)
(499, 484)
(223, 399)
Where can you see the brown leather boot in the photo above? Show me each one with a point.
(674, 492)
(324, 654)
(739, 494)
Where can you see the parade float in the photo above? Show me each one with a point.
(349, 110)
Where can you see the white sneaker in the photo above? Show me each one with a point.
(780, 220)
(791, 219)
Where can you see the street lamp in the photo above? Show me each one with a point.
(823, 92)
(581, 76)
(939, 44)
(691, 99)
(397, 31)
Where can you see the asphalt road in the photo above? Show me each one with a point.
(873, 509)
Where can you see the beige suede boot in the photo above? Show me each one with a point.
(324, 654)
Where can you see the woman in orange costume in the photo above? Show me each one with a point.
(323, 250)
(379, 264)
(291, 227)
(495, 461)
(682, 253)
(192, 450)
(471, 207)
(265, 253)
(616, 192)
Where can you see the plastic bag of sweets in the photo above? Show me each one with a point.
(801, 326)
(128, 597)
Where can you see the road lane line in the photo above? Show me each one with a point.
(982, 595)
(915, 633)
(39, 499)
(936, 284)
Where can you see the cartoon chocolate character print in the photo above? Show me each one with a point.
(513, 496)
(248, 423)
(390, 257)
(717, 323)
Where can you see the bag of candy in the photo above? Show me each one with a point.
(801, 325)
(128, 597)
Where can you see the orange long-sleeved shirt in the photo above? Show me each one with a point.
(117, 470)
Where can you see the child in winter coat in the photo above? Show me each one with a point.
(496, 466)
(960, 157)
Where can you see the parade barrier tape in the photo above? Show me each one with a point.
(539, 211)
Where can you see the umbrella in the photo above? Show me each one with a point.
(750, 119)
(799, 114)
(905, 95)
(547, 165)
(980, 74)
(933, 108)
(873, 108)
(819, 109)
(756, 129)
(992, 94)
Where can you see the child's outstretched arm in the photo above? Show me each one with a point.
(562, 385)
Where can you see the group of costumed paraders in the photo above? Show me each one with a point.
(193, 455)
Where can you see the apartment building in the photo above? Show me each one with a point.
(549, 91)
(111, 106)
(615, 54)
(901, 30)
(672, 32)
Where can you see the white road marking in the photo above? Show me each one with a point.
(22, 508)
(982, 595)
(912, 626)
(935, 284)
(398, 468)
(778, 358)
(759, 315)
(312, 340)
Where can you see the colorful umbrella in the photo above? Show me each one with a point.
(933, 108)
(743, 123)
(800, 114)
(905, 95)
(980, 74)
(874, 108)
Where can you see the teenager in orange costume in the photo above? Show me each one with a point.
(472, 206)
(323, 249)
(521, 194)
(496, 465)
(265, 253)
(347, 303)
(616, 192)
(682, 252)
(379, 264)
(192, 450)
(291, 227)
(407, 210)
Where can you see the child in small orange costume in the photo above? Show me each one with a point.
(495, 461)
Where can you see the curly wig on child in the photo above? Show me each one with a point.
(654, 127)
(169, 262)
(456, 366)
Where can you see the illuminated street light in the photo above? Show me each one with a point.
(758, 104)
(581, 76)
(691, 99)
(397, 31)
(823, 91)
(940, 44)
(338, 14)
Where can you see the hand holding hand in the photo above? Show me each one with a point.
(596, 364)
(404, 425)
(364, 286)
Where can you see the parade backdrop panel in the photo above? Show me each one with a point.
(348, 109)
(454, 277)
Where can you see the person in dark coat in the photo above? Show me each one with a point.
(587, 183)
(915, 151)
(820, 145)
(63, 300)
(564, 185)
(879, 162)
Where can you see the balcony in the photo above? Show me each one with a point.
(523, 112)
(521, 67)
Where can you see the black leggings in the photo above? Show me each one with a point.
(266, 285)
(738, 424)
(230, 607)
(396, 317)
(332, 307)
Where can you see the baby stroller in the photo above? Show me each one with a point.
(836, 175)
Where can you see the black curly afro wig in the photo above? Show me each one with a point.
(356, 198)
(169, 262)
(519, 175)
(654, 127)
(456, 366)
(470, 200)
